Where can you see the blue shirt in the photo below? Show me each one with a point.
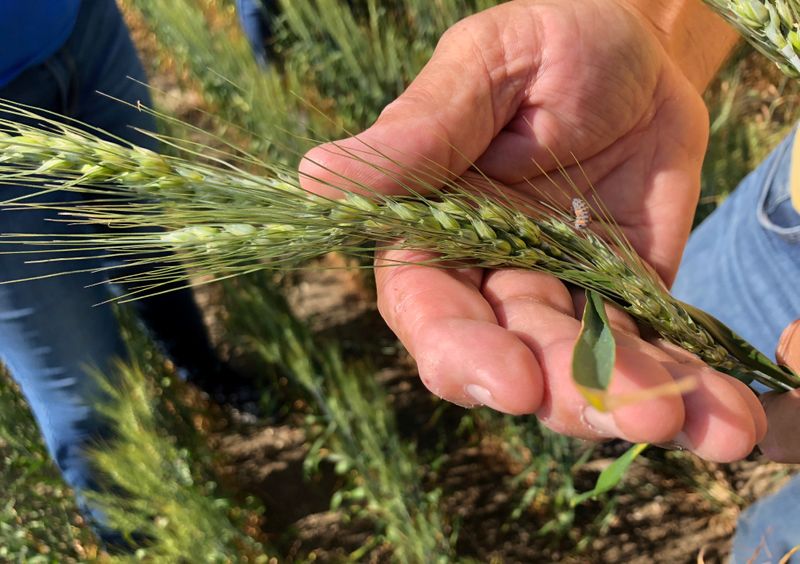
(31, 31)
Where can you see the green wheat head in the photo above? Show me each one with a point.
(226, 214)
(771, 26)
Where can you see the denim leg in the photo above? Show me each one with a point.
(115, 70)
(254, 19)
(743, 266)
(103, 64)
(49, 330)
(770, 528)
(49, 335)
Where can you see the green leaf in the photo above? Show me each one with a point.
(612, 475)
(336, 499)
(593, 357)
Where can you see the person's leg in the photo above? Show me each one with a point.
(254, 18)
(50, 333)
(770, 528)
(742, 265)
(107, 75)
(49, 330)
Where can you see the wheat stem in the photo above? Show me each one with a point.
(222, 221)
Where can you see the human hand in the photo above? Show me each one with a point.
(782, 441)
(532, 84)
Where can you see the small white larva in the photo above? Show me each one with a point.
(580, 210)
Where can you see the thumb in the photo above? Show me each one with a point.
(782, 441)
(432, 133)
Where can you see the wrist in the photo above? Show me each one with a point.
(696, 39)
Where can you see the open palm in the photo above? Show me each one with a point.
(518, 90)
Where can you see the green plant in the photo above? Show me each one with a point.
(158, 481)
(349, 58)
(222, 221)
(547, 482)
(230, 92)
(359, 55)
(355, 428)
(39, 519)
(771, 26)
(255, 104)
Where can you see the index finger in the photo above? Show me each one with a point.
(462, 354)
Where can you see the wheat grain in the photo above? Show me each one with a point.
(771, 26)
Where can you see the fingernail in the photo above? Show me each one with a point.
(601, 422)
(682, 440)
(679, 442)
(481, 395)
(788, 352)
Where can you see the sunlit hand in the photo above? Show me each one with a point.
(525, 85)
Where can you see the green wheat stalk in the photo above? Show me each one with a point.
(155, 487)
(360, 429)
(349, 57)
(223, 221)
(258, 101)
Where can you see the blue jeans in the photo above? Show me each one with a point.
(743, 266)
(49, 330)
(255, 20)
